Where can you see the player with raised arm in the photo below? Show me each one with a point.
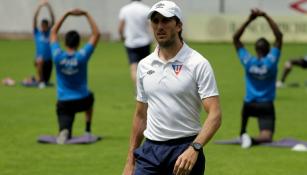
(71, 73)
(43, 58)
(260, 76)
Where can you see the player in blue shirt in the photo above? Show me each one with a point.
(71, 73)
(43, 57)
(260, 78)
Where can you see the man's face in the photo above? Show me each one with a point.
(165, 29)
(44, 26)
(262, 51)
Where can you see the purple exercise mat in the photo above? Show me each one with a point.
(85, 139)
(286, 142)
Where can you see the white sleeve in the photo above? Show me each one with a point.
(140, 92)
(205, 80)
(121, 15)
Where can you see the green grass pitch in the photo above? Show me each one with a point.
(27, 113)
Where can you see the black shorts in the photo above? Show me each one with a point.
(135, 55)
(66, 111)
(71, 107)
(302, 62)
(47, 69)
(264, 111)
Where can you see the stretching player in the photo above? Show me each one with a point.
(260, 75)
(298, 62)
(43, 61)
(71, 72)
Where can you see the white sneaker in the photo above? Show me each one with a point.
(299, 147)
(246, 141)
(62, 137)
(41, 85)
(88, 135)
(280, 84)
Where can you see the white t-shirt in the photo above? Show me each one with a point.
(136, 29)
(173, 92)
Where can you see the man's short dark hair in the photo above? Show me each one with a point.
(72, 39)
(45, 22)
(262, 45)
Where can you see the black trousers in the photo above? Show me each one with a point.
(47, 69)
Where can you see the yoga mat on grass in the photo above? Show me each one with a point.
(285, 142)
(84, 139)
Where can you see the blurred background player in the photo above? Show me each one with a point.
(43, 58)
(133, 29)
(260, 76)
(71, 73)
(298, 62)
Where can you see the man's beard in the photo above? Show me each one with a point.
(168, 43)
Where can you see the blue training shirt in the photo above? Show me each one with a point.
(42, 44)
(260, 75)
(71, 72)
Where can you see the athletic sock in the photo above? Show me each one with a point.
(244, 121)
(88, 127)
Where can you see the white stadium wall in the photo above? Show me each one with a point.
(221, 28)
(204, 20)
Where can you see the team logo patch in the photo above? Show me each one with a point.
(160, 5)
(177, 68)
(150, 72)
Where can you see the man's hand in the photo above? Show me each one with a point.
(253, 15)
(77, 12)
(258, 12)
(43, 2)
(185, 162)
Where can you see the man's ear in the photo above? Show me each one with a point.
(179, 24)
